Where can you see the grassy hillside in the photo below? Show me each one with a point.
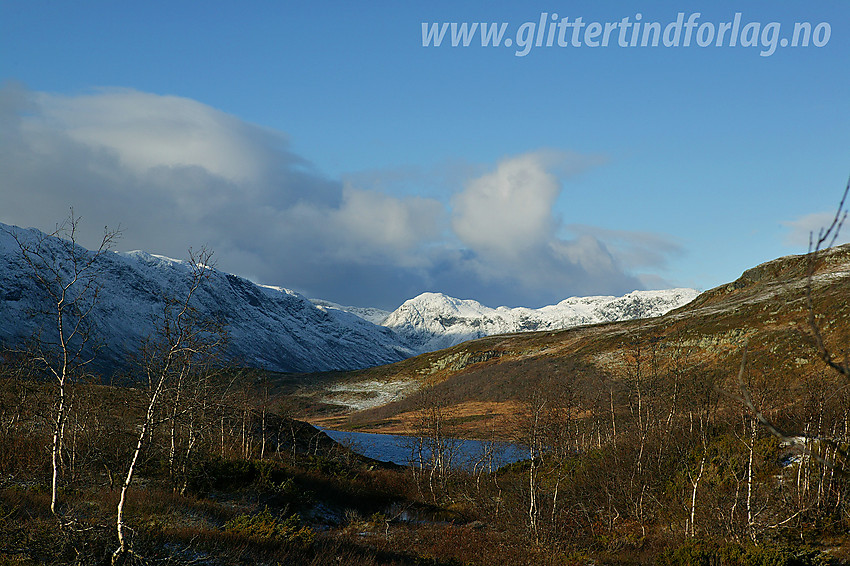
(483, 380)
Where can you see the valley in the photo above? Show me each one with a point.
(484, 381)
(712, 428)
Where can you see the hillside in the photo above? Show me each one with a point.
(268, 327)
(484, 380)
(634, 424)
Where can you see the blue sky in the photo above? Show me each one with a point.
(319, 146)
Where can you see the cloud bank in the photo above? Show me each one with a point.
(175, 173)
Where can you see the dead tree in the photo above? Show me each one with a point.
(826, 238)
(435, 448)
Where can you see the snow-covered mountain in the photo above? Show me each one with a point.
(268, 327)
(278, 329)
(433, 321)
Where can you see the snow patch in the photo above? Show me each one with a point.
(369, 394)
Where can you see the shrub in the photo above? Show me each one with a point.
(264, 527)
(702, 553)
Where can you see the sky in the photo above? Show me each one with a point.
(320, 146)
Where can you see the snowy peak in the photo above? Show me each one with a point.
(435, 309)
(433, 321)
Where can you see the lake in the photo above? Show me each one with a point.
(466, 454)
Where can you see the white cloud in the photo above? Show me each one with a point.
(508, 211)
(148, 131)
(384, 224)
(506, 217)
(633, 249)
(174, 173)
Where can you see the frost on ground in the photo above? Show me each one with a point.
(368, 394)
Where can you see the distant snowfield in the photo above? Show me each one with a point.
(433, 321)
(373, 315)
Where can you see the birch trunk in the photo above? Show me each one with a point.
(695, 485)
(750, 518)
(121, 551)
(58, 427)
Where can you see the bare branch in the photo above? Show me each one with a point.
(830, 233)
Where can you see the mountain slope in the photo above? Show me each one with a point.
(483, 382)
(278, 329)
(433, 321)
(371, 314)
(271, 328)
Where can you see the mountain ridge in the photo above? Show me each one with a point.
(434, 321)
(278, 329)
(272, 328)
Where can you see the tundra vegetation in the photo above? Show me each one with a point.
(658, 459)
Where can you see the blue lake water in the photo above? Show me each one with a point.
(401, 449)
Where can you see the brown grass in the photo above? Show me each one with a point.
(765, 307)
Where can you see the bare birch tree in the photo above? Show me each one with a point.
(183, 339)
(69, 276)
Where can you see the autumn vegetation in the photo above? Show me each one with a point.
(659, 457)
